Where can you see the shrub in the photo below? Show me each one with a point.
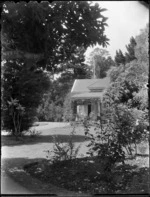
(115, 135)
(63, 151)
(104, 145)
(16, 112)
(27, 87)
(34, 133)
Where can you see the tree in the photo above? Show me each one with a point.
(130, 55)
(74, 68)
(99, 62)
(38, 37)
(25, 86)
(131, 78)
(48, 32)
(119, 58)
(142, 47)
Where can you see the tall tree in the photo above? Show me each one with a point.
(25, 86)
(129, 83)
(41, 36)
(99, 62)
(48, 32)
(130, 54)
(119, 58)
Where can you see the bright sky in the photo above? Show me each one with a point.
(125, 19)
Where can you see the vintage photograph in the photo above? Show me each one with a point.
(74, 98)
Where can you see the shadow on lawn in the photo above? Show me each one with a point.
(11, 141)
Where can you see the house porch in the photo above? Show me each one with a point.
(86, 108)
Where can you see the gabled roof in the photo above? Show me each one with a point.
(82, 88)
(83, 85)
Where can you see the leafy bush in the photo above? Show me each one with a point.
(16, 111)
(33, 133)
(114, 132)
(27, 87)
(104, 144)
(49, 111)
(63, 151)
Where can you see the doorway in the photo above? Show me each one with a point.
(89, 109)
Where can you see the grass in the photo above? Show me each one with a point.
(87, 175)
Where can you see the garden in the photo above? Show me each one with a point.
(43, 52)
(111, 166)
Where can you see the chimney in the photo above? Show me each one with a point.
(94, 68)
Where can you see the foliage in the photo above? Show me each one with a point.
(63, 151)
(130, 55)
(100, 62)
(27, 87)
(116, 131)
(86, 176)
(136, 49)
(16, 111)
(126, 100)
(119, 58)
(104, 144)
(49, 111)
(54, 104)
(38, 38)
(33, 133)
(74, 66)
(53, 30)
(142, 47)
(129, 80)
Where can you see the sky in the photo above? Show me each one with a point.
(125, 19)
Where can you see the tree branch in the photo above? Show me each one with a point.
(17, 54)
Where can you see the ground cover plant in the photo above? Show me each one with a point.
(103, 173)
(87, 175)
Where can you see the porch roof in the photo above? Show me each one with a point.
(87, 95)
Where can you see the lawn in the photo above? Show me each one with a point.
(83, 175)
